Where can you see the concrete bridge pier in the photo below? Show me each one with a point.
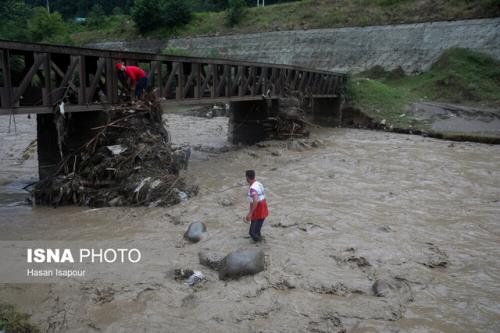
(77, 129)
(48, 150)
(247, 120)
(327, 111)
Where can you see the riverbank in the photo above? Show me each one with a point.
(457, 99)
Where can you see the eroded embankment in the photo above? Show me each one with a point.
(436, 120)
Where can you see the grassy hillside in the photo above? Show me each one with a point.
(458, 76)
(306, 14)
(309, 14)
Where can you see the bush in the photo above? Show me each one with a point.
(147, 14)
(153, 14)
(96, 16)
(15, 14)
(177, 13)
(235, 12)
(117, 11)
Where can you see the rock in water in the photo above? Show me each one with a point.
(242, 262)
(195, 231)
(382, 288)
(211, 259)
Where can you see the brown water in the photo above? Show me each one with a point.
(364, 206)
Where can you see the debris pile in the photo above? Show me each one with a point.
(289, 123)
(210, 111)
(129, 162)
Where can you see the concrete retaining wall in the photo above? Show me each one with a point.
(414, 47)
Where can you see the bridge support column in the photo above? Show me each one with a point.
(78, 131)
(327, 110)
(48, 150)
(246, 122)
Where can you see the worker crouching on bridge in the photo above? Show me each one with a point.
(137, 76)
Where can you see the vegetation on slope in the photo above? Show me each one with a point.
(312, 14)
(111, 20)
(458, 76)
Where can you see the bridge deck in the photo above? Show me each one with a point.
(34, 78)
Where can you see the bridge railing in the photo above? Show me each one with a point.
(35, 77)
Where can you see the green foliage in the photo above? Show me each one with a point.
(12, 321)
(176, 13)
(379, 100)
(70, 9)
(154, 14)
(45, 27)
(96, 16)
(147, 14)
(235, 12)
(14, 15)
(117, 11)
(318, 14)
(206, 5)
(165, 18)
(114, 27)
(458, 76)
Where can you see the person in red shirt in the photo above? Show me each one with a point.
(138, 78)
(258, 206)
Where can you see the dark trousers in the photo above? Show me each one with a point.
(255, 227)
(141, 85)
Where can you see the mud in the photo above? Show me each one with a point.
(420, 214)
(449, 118)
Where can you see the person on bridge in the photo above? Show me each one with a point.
(137, 76)
(258, 206)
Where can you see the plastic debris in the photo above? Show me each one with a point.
(116, 149)
(195, 278)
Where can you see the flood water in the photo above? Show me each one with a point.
(356, 207)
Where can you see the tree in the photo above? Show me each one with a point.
(45, 27)
(72, 8)
(176, 13)
(235, 12)
(14, 14)
(153, 14)
(147, 14)
(117, 11)
(96, 16)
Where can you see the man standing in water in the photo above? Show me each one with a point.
(258, 206)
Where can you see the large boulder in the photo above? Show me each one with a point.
(211, 259)
(242, 262)
(195, 231)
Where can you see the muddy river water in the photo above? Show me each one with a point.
(348, 208)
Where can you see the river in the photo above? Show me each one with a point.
(348, 207)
